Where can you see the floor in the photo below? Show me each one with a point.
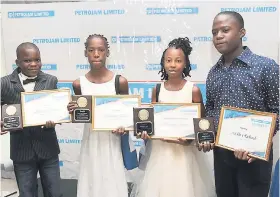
(8, 186)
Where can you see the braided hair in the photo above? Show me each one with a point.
(98, 36)
(178, 43)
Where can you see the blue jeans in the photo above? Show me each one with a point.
(26, 176)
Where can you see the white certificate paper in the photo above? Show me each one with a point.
(175, 120)
(111, 112)
(246, 130)
(41, 106)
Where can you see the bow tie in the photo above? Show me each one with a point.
(29, 81)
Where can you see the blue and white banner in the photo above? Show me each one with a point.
(138, 32)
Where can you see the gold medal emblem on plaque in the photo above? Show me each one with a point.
(143, 114)
(204, 124)
(11, 110)
(82, 102)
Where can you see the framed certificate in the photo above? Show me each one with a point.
(41, 106)
(246, 129)
(111, 112)
(175, 120)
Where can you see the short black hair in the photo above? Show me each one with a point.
(235, 15)
(98, 36)
(25, 45)
(178, 43)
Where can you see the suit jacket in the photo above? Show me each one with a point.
(30, 142)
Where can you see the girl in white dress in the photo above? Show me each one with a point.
(102, 172)
(175, 168)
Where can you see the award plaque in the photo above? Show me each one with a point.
(246, 129)
(11, 117)
(82, 114)
(204, 130)
(143, 118)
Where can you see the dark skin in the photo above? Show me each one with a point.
(97, 53)
(227, 39)
(29, 61)
(174, 64)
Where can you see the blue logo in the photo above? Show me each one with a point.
(167, 11)
(99, 12)
(31, 14)
(115, 66)
(138, 143)
(55, 40)
(251, 9)
(66, 85)
(144, 89)
(157, 67)
(209, 39)
(44, 67)
(193, 66)
(112, 67)
(135, 39)
(153, 67)
(260, 121)
(69, 141)
(61, 163)
(82, 67)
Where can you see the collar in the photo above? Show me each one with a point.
(24, 77)
(245, 57)
(16, 78)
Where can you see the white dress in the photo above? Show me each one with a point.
(173, 170)
(102, 172)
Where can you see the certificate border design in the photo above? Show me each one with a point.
(42, 92)
(138, 97)
(182, 105)
(253, 112)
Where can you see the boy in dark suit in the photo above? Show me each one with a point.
(32, 149)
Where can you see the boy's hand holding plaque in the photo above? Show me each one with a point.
(82, 114)
(143, 118)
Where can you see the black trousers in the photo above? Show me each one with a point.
(237, 178)
(26, 176)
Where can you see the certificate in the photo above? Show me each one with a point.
(41, 106)
(175, 120)
(111, 112)
(246, 129)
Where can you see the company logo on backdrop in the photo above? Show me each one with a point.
(157, 67)
(31, 14)
(69, 141)
(112, 67)
(135, 39)
(251, 9)
(45, 67)
(55, 40)
(209, 39)
(144, 89)
(176, 10)
(100, 12)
